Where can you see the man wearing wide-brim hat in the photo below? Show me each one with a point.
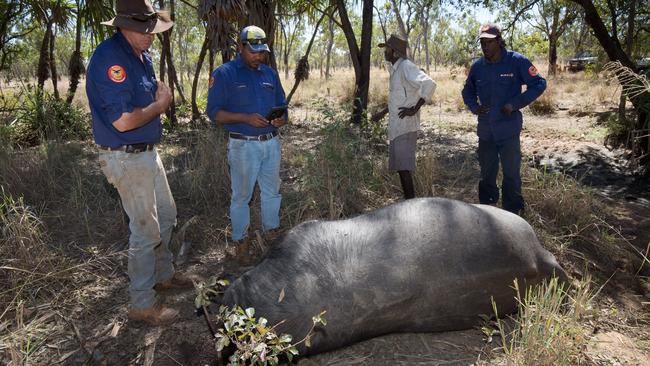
(126, 102)
(409, 89)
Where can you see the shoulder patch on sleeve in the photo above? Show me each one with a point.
(117, 73)
(211, 82)
(532, 71)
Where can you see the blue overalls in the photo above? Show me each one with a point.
(495, 85)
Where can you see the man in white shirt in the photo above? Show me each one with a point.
(409, 89)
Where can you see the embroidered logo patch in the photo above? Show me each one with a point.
(117, 73)
(210, 82)
(532, 71)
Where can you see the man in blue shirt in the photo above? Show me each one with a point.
(126, 102)
(492, 91)
(241, 94)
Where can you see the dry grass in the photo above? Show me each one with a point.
(550, 327)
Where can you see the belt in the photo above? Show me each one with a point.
(263, 137)
(133, 148)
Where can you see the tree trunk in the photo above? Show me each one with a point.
(330, 44)
(359, 56)
(552, 54)
(43, 70)
(173, 75)
(75, 66)
(400, 22)
(628, 49)
(54, 75)
(196, 114)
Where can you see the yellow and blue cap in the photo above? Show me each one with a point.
(255, 39)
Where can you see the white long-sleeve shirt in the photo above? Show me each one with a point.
(407, 85)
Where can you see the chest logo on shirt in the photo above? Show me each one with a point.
(510, 75)
(210, 82)
(117, 73)
(532, 71)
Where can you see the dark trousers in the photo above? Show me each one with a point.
(508, 152)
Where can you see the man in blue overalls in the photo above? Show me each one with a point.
(126, 102)
(493, 92)
(241, 94)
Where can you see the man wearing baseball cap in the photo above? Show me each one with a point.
(409, 89)
(241, 96)
(126, 102)
(492, 91)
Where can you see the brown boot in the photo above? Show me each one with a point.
(178, 280)
(157, 314)
(243, 252)
(272, 236)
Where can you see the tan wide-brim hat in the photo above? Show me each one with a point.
(140, 16)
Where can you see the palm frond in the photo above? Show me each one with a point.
(633, 84)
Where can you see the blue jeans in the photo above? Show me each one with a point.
(251, 162)
(508, 152)
(142, 184)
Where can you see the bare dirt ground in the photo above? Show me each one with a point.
(96, 331)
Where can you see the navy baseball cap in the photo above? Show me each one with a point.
(255, 38)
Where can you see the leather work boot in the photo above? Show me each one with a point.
(244, 256)
(177, 281)
(272, 236)
(157, 314)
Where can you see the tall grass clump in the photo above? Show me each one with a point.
(560, 200)
(548, 326)
(342, 175)
(205, 180)
(569, 215)
(545, 104)
(31, 270)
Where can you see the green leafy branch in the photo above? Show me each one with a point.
(255, 341)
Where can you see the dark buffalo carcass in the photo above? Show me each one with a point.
(421, 265)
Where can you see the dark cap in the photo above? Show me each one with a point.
(396, 43)
(139, 16)
(489, 30)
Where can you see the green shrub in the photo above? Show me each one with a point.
(44, 117)
(341, 174)
(255, 341)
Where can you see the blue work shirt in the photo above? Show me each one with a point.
(236, 88)
(117, 82)
(496, 84)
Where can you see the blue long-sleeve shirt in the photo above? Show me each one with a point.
(497, 84)
(118, 82)
(236, 88)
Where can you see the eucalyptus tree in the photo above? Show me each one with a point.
(359, 54)
(12, 28)
(291, 24)
(553, 18)
(426, 10)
